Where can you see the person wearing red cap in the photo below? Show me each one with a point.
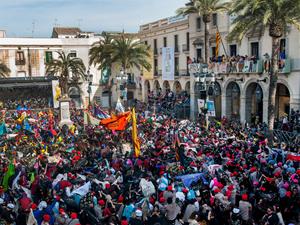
(245, 207)
(46, 219)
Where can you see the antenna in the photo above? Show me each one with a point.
(33, 28)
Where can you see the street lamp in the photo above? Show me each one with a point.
(121, 80)
(89, 79)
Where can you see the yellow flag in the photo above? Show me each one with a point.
(135, 141)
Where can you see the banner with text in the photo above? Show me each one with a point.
(168, 64)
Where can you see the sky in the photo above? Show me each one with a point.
(27, 18)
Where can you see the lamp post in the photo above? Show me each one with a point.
(89, 79)
(206, 84)
(121, 80)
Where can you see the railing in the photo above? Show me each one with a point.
(131, 85)
(247, 66)
(287, 137)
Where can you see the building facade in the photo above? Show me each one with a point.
(241, 85)
(27, 58)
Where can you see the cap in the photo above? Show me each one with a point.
(46, 218)
(138, 213)
(235, 210)
(244, 197)
(73, 215)
(10, 206)
(101, 202)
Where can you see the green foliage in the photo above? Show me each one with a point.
(266, 13)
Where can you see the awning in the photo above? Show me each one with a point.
(24, 85)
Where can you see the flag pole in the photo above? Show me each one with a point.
(222, 41)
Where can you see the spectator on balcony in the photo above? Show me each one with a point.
(267, 63)
(241, 61)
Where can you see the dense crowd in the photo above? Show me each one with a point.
(30, 103)
(185, 174)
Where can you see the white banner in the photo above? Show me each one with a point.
(168, 66)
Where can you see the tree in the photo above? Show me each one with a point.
(4, 70)
(66, 68)
(204, 8)
(274, 15)
(122, 50)
(100, 55)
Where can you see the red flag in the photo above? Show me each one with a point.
(118, 122)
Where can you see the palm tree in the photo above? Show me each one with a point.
(100, 55)
(63, 68)
(204, 8)
(274, 15)
(129, 53)
(122, 50)
(4, 70)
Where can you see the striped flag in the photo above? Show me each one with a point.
(135, 139)
(218, 39)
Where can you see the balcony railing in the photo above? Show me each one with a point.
(131, 85)
(247, 66)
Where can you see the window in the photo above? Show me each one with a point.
(165, 42)
(199, 54)
(49, 57)
(73, 54)
(213, 51)
(232, 49)
(187, 41)
(146, 42)
(198, 23)
(20, 58)
(215, 19)
(255, 49)
(176, 43)
(155, 46)
(155, 67)
(176, 66)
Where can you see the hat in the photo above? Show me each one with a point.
(162, 200)
(124, 222)
(46, 218)
(244, 197)
(170, 188)
(235, 210)
(217, 190)
(10, 206)
(61, 211)
(184, 190)
(101, 202)
(120, 199)
(138, 213)
(288, 194)
(33, 206)
(107, 185)
(73, 216)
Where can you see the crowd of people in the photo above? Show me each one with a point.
(186, 174)
(30, 103)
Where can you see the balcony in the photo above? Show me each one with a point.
(185, 48)
(246, 67)
(20, 62)
(184, 73)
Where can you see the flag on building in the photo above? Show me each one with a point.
(135, 140)
(118, 122)
(218, 40)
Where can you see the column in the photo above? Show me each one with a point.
(294, 103)
(223, 105)
(265, 109)
(242, 109)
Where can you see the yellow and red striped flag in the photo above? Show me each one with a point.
(218, 39)
(135, 140)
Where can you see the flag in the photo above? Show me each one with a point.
(3, 129)
(98, 112)
(10, 172)
(90, 120)
(176, 146)
(21, 118)
(218, 39)
(118, 122)
(135, 140)
(292, 157)
(119, 107)
(27, 126)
